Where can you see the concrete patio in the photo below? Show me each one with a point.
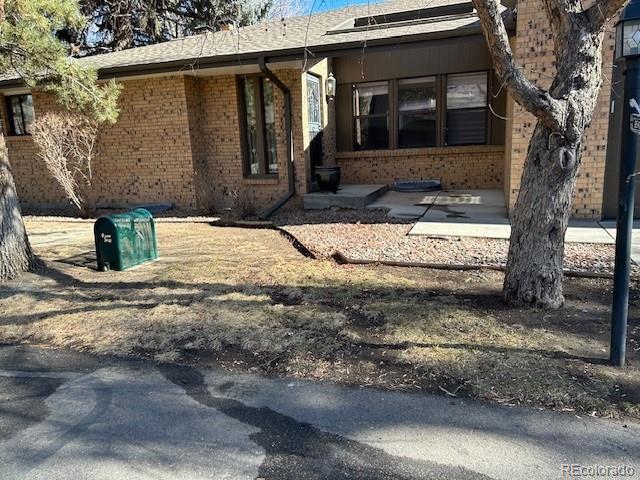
(482, 213)
(347, 196)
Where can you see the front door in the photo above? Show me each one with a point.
(314, 107)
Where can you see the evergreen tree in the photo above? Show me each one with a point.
(120, 24)
(29, 49)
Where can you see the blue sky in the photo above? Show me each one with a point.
(323, 5)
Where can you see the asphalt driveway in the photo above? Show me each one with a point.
(75, 416)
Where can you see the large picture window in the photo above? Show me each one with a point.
(466, 109)
(417, 112)
(371, 116)
(422, 112)
(260, 139)
(20, 114)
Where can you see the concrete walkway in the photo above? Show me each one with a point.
(75, 416)
(476, 213)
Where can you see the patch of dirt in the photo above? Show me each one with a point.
(246, 300)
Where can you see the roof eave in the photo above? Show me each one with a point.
(273, 56)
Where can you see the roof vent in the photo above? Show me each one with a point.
(406, 18)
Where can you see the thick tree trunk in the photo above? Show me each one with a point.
(541, 213)
(564, 111)
(539, 222)
(16, 255)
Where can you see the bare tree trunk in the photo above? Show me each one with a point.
(542, 210)
(539, 222)
(16, 255)
(539, 219)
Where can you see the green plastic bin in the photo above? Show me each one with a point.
(125, 240)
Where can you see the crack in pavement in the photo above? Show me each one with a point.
(299, 451)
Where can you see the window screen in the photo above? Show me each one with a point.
(466, 109)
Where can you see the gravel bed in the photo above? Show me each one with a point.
(385, 241)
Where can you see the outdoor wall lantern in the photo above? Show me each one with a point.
(628, 54)
(628, 31)
(330, 87)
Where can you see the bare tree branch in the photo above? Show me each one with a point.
(534, 99)
(604, 10)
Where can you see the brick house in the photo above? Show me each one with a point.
(239, 118)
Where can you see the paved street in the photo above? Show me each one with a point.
(68, 416)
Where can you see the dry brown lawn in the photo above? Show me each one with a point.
(246, 300)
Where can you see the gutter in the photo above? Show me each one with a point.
(289, 132)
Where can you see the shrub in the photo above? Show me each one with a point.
(67, 144)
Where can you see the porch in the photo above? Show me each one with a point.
(479, 213)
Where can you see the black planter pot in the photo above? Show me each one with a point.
(328, 178)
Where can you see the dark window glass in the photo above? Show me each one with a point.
(260, 125)
(371, 115)
(314, 119)
(466, 109)
(371, 99)
(417, 112)
(270, 127)
(250, 102)
(20, 113)
(371, 133)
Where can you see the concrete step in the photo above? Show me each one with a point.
(348, 196)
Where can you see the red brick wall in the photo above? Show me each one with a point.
(146, 155)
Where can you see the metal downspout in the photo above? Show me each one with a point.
(287, 126)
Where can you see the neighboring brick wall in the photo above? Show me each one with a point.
(144, 157)
(478, 166)
(293, 79)
(195, 113)
(534, 53)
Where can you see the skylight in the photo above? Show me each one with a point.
(405, 18)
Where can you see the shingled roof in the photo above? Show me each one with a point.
(317, 34)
